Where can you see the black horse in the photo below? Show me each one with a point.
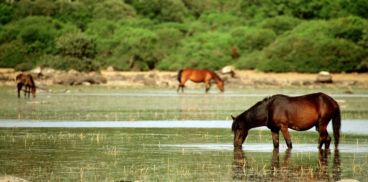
(281, 112)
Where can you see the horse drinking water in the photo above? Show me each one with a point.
(281, 112)
(26, 80)
(198, 76)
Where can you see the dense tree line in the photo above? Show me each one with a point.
(267, 35)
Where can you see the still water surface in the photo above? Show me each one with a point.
(348, 126)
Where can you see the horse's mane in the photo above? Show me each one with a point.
(215, 75)
(243, 115)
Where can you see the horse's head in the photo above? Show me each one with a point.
(19, 77)
(33, 91)
(240, 131)
(221, 85)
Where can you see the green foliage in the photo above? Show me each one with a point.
(280, 24)
(250, 39)
(196, 8)
(167, 40)
(133, 48)
(113, 10)
(6, 13)
(25, 66)
(358, 7)
(69, 62)
(250, 61)
(350, 28)
(163, 10)
(76, 12)
(311, 52)
(207, 50)
(12, 54)
(26, 8)
(76, 45)
(297, 35)
(220, 21)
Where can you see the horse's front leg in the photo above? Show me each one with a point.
(285, 132)
(19, 86)
(178, 89)
(275, 139)
(208, 86)
(182, 85)
(25, 91)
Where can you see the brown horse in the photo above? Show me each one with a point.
(26, 80)
(197, 76)
(281, 112)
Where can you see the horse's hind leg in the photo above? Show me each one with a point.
(324, 138)
(28, 91)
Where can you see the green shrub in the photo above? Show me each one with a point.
(357, 7)
(24, 66)
(311, 54)
(210, 50)
(196, 8)
(162, 10)
(12, 54)
(69, 62)
(250, 61)
(350, 28)
(76, 45)
(113, 10)
(220, 21)
(280, 24)
(6, 13)
(75, 12)
(249, 39)
(134, 47)
(168, 39)
(26, 8)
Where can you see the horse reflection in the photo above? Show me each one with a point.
(286, 170)
(239, 164)
(243, 169)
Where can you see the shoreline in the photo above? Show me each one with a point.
(168, 79)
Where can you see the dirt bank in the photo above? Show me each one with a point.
(169, 79)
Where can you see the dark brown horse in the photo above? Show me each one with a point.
(281, 112)
(198, 76)
(26, 80)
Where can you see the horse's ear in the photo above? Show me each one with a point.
(232, 117)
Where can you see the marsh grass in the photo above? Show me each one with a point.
(147, 154)
(162, 154)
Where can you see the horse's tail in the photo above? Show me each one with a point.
(179, 75)
(336, 125)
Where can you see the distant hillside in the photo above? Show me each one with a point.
(281, 36)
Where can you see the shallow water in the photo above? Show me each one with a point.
(104, 134)
(172, 154)
(267, 147)
(348, 126)
(120, 104)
